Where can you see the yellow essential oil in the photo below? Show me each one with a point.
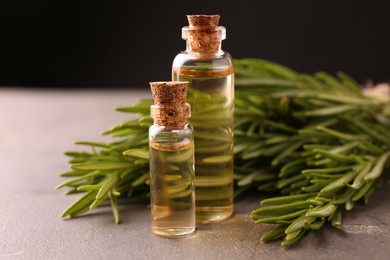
(210, 74)
(171, 159)
(172, 196)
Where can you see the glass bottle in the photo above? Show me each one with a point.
(209, 71)
(171, 158)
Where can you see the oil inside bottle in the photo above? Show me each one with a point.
(172, 178)
(211, 95)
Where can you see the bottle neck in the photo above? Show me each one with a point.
(204, 40)
(170, 116)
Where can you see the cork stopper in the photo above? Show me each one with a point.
(170, 107)
(203, 20)
(204, 35)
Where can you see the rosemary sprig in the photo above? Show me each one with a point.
(323, 147)
(315, 139)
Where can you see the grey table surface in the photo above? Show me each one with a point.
(38, 125)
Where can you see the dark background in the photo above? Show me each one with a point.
(124, 44)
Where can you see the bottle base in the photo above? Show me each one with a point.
(173, 232)
(208, 215)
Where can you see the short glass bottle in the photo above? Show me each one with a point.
(210, 73)
(171, 157)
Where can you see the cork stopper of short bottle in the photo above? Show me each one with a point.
(204, 35)
(170, 107)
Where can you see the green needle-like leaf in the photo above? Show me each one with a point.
(138, 153)
(102, 165)
(80, 204)
(115, 210)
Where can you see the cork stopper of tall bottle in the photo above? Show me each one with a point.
(204, 35)
(170, 107)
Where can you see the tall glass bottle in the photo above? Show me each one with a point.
(171, 158)
(209, 71)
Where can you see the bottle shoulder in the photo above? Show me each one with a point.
(186, 59)
(162, 135)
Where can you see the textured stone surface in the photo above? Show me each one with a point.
(37, 126)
